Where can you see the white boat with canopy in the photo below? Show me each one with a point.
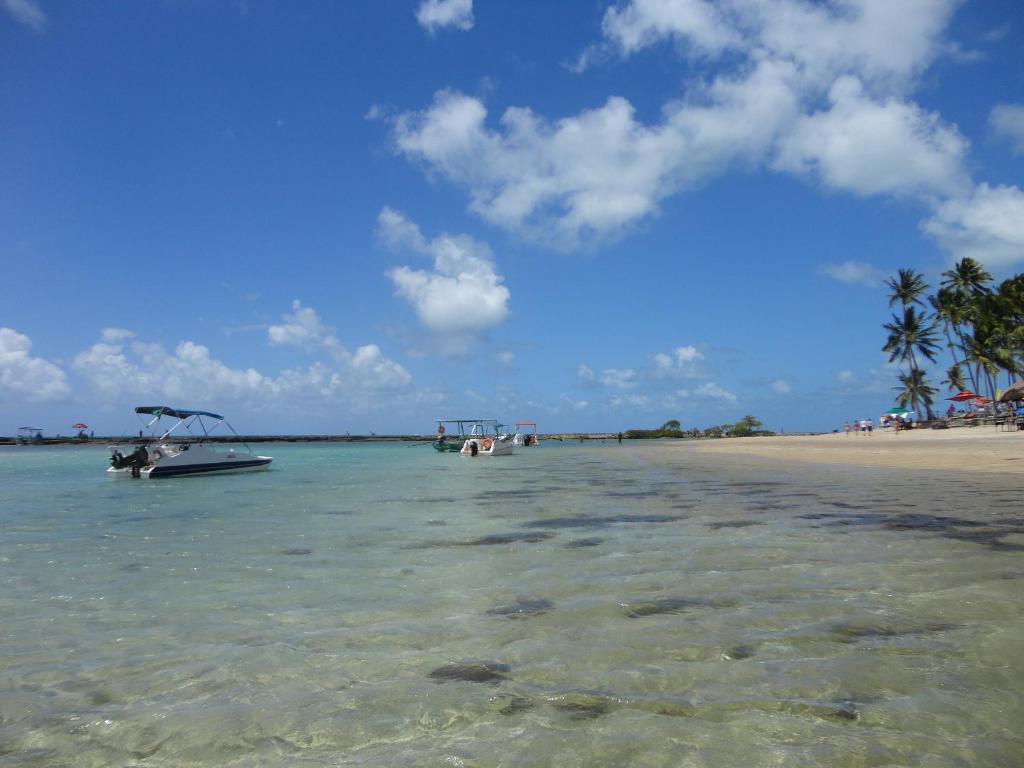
(178, 455)
(526, 433)
(481, 442)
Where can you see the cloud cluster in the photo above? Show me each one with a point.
(301, 328)
(592, 174)
(658, 384)
(24, 378)
(817, 90)
(120, 368)
(684, 362)
(855, 273)
(1007, 121)
(461, 296)
(437, 14)
(26, 12)
(987, 226)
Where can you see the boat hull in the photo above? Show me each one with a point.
(175, 461)
(498, 448)
(447, 446)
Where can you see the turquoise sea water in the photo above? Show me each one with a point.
(385, 605)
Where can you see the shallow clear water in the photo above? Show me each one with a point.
(383, 605)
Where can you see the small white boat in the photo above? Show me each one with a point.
(177, 456)
(526, 437)
(479, 443)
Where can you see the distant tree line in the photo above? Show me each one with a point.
(982, 324)
(745, 427)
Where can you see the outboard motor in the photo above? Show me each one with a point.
(473, 450)
(135, 460)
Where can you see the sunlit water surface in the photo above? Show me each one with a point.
(384, 605)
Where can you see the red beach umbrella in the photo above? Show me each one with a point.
(980, 401)
(959, 397)
(79, 425)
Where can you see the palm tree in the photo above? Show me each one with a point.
(955, 378)
(908, 336)
(951, 307)
(964, 292)
(915, 389)
(906, 288)
(968, 277)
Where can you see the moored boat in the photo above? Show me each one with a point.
(178, 456)
(526, 433)
(481, 442)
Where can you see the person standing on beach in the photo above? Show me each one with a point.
(870, 426)
(846, 428)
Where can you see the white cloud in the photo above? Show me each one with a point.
(436, 14)
(682, 363)
(846, 377)
(303, 328)
(24, 378)
(870, 147)
(855, 273)
(878, 40)
(594, 174)
(114, 335)
(714, 392)
(462, 295)
(506, 359)
(1007, 121)
(618, 378)
(369, 369)
(26, 12)
(611, 378)
(781, 387)
(631, 401)
(119, 369)
(988, 226)
(581, 177)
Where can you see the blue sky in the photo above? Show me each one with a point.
(363, 216)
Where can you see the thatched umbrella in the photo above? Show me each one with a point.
(1014, 392)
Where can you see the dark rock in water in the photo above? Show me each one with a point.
(584, 521)
(99, 698)
(583, 706)
(509, 538)
(845, 712)
(523, 609)
(513, 705)
(581, 543)
(739, 652)
(490, 672)
(297, 551)
(852, 632)
(668, 605)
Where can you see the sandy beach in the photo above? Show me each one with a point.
(971, 449)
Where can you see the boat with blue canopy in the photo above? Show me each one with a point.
(183, 449)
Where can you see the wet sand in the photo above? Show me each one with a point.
(972, 449)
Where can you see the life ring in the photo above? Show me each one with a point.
(487, 443)
(440, 429)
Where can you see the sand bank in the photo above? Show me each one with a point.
(972, 449)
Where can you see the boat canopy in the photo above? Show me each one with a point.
(177, 413)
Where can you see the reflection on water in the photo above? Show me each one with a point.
(569, 605)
